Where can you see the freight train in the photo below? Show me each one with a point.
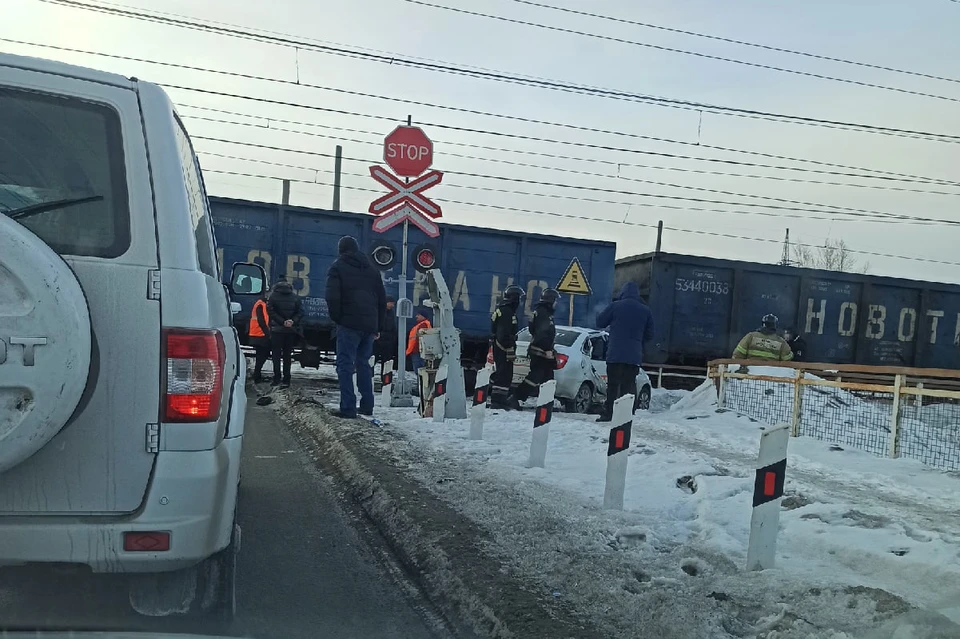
(477, 264)
(703, 306)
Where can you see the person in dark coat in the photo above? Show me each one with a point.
(503, 328)
(357, 304)
(630, 323)
(543, 359)
(798, 345)
(386, 347)
(285, 311)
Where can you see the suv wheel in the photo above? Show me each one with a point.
(583, 401)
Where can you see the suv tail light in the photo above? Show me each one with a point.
(561, 360)
(194, 375)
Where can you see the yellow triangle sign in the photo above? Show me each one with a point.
(574, 280)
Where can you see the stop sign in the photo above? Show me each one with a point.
(408, 151)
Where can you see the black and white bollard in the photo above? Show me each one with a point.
(386, 384)
(617, 451)
(479, 408)
(541, 425)
(767, 492)
(440, 394)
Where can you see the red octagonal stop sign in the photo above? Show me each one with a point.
(408, 151)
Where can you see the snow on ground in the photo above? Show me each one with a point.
(854, 526)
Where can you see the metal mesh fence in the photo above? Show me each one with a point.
(855, 419)
(769, 402)
(929, 431)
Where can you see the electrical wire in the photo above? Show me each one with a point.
(500, 76)
(765, 47)
(909, 177)
(657, 47)
(588, 218)
(865, 214)
(618, 165)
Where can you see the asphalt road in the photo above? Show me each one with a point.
(310, 566)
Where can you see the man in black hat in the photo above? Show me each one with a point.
(357, 303)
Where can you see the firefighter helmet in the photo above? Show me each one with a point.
(770, 321)
(513, 293)
(549, 296)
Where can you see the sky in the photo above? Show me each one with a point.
(591, 170)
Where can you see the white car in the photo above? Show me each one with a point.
(581, 368)
(121, 379)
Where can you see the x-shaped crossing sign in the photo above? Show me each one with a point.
(406, 212)
(409, 194)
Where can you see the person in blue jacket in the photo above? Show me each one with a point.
(630, 324)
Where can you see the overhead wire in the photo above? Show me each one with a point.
(589, 218)
(757, 45)
(555, 156)
(870, 212)
(903, 177)
(698, 54)
(860, 214)
(394, 59)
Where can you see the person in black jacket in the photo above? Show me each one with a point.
(386, 346)
(798, 345)
(543, 359)
(285, 311)
(504, 337)
(357, 303)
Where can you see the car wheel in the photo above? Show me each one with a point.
(583, 401)
(643, 399)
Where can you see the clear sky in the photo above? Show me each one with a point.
(916, 36)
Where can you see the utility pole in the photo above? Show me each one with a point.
(338, 161)
(785, 258)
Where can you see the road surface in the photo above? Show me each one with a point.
(310, 567)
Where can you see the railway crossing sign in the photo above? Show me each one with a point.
(410, 194)
(408, 213)
(408, 151)
(574, 280)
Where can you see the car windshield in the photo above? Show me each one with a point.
(564, 337)
(61, 172)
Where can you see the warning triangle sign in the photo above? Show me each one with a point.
(574, 281)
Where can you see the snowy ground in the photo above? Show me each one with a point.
(867, 545)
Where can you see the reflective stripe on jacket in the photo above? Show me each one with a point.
(758, 345)
(256, 330)
(413, 342)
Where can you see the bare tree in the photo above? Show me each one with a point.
(833, 255)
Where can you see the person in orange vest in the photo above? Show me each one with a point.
(413, 339)
(259, 334)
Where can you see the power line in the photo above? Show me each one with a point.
(588, 218)
(554, 156)
(697, 54)
(909, 177)
(766, 47)
(865, 214)
(573, 171)
(500, 76)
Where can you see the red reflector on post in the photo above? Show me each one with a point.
(619, 439)
(769, 484)
(146, 541)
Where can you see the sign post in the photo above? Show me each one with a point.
(479, 409)
(409, 152)
(767, 493)
(386, 384)
(541, 424)
(574, 282)
(617, 450)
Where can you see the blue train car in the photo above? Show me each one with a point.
(477, 263)
(703, 306)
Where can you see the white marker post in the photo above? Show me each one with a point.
(617, 451)
(767, 492)
(386, 384)
(541, 425)
(479, 408)
(440, 394)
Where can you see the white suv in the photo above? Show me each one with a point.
(121, 379)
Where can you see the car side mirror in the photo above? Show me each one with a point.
(235, 308)
(247, 279)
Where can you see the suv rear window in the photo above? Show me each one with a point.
(68, 154)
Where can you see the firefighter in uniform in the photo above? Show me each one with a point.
(504, 337)
(543, 359)
(259, 334)
(764, 343)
